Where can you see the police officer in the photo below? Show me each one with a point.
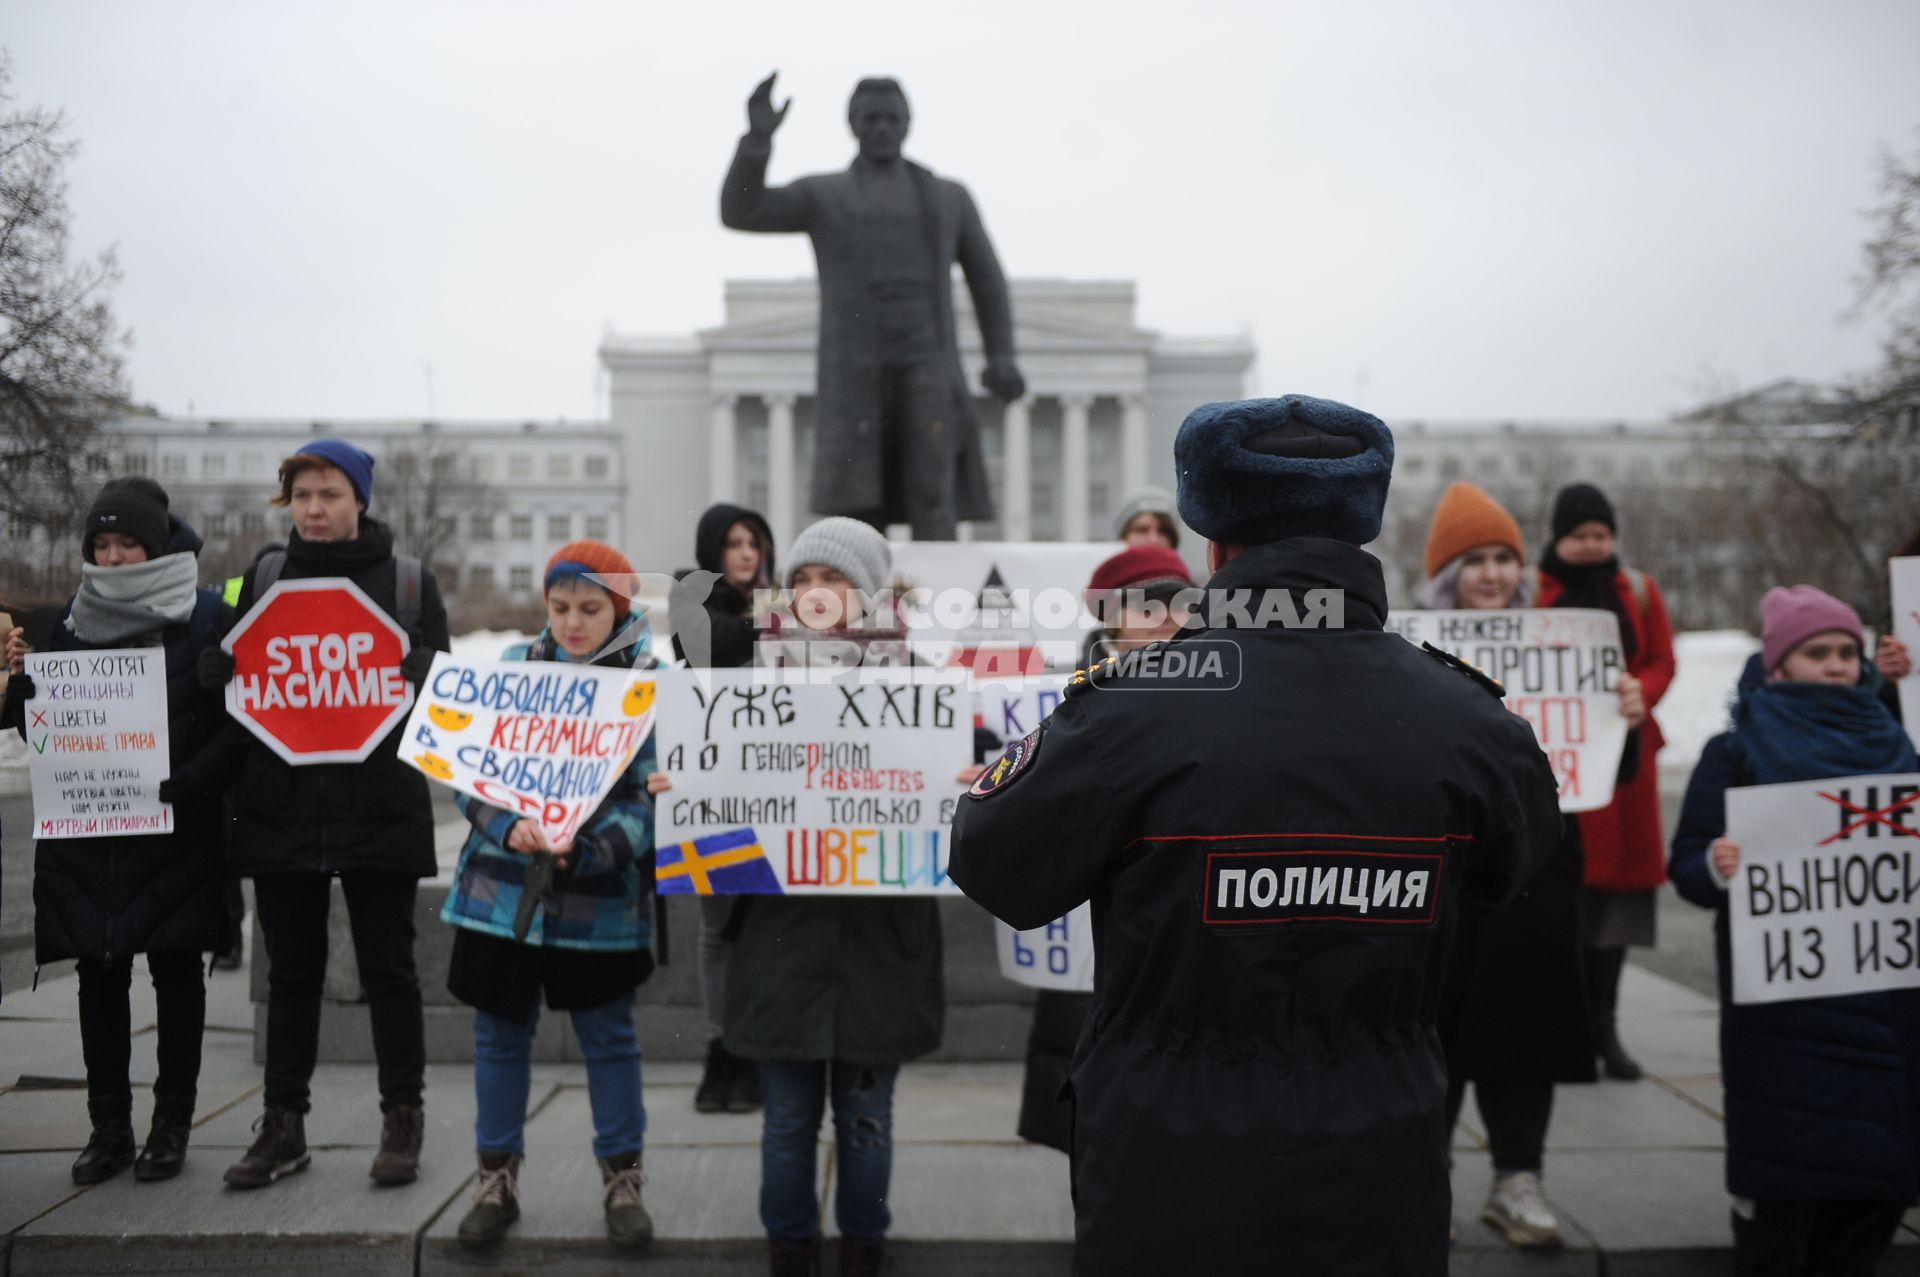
(1275, 814)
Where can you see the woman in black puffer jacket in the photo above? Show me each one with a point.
(103, 900)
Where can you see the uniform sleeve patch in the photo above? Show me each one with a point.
(1318, 886)
(1009, 767)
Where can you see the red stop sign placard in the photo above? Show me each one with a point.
(316, 671)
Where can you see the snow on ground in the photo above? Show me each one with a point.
(1694, 710)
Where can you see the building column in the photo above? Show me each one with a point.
(780, 467)
(1073, 467)
(1133, 445)
(720, 451)
(1016, 471)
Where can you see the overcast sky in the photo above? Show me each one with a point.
(1513, 209)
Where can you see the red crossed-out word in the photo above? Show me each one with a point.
(1884, 816)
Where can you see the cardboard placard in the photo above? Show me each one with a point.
(97, 742)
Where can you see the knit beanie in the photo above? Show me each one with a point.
(854, 549)
(1465, 519)
(135, 507)
(1149, 501)
(1146, 568)
(583, 559)
(1792, 614)
(352, 460)
(1580, 503)
(1259, 470)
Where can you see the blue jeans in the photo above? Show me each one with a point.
(796, 1097)
(502, 1076)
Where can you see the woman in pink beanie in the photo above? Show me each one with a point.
(1823, 1093)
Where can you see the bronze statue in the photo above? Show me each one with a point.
(895, 440)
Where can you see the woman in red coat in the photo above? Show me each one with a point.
(1625, 850)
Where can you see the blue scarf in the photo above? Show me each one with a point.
(1811, 731)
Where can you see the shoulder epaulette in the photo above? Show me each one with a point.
(1083, 679)
(1474, 672)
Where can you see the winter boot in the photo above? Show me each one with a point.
(794, 1259)
(109, 1148)
(166, 1149)
(862, 1256)
(398, 1161)
(716, 1079)
(628, 1223)
(1613, 1056)
(496, 1201)
(743, 1092)
(279, 1149)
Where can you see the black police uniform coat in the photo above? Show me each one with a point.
(1260, 1088)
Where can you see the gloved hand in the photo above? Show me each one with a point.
(214, 669)
(182, 787)
(418, 660)
(20, 687)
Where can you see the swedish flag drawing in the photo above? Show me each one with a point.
(728, 864)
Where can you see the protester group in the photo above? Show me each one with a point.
(817, 1001)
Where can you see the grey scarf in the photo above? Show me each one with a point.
(115, 604)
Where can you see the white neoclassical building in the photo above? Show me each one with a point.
(727, 413)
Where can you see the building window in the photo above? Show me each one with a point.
(520, 466)
(1523, 462)
(520, 527)
(18, 529)
(520, 578)
(212, 465)
(559, 527)
(596, 467)
(216, 525)
(480, 576)
(252, 465)
(559, 466)
(597, 526)
(134, 463)
(1043, 499)
(482, 527)
(448, 577)
(1412, 465)
(173, 465)
(253, 523)
(483, 469)
(1449, 467)
(97, 463)
(757, 495)
(1097, 499)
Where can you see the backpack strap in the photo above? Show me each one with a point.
(407, 574)
(266, 570)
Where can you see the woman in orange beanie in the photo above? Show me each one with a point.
(1513, 1009)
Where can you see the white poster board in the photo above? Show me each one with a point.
(1905, 574)
(1057, 956)
(97, 742)
(1826, 899)
(547, 740)
(810, 781)
(1561, 668)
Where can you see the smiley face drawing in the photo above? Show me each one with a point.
(639, 700)
(434, 766)
(451, 720)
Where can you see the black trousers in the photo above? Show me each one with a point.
(106, 1027)
(1801, 1239)
(293, 921)
(1516, 1114)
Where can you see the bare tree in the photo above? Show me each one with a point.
(425, 488)
(60, 350)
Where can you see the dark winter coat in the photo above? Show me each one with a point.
(1624, 841)
(1514, 1004)
(375, 815)
(1822, 1094)
(847, 476)
(1058, 1020)
(826, 978)
(1261, 1086)
(731, 632)
(111, 897)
